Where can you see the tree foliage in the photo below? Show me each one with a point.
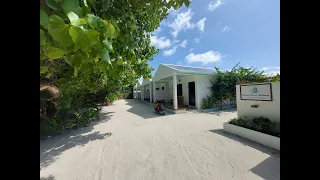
(224, 85)
(106, 38)
(94, 47)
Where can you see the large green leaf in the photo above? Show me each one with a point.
(59, 31)
(44, 19)
(107, 44)
(92, 21)
(103, 66)
(94, 53)
(93, 36)
(74, 60)
(42, 37)
(83, 38)
(111, 29)
(105, 55)
(52, 4)
(53, 52)
(75, 20)
(86, 67)
(72, 6)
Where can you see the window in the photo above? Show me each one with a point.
(157, 88)
(179, 89)
(162, 88)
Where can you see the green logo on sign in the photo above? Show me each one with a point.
(254, 90)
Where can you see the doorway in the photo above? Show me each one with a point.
(179, 89)
(192, 94)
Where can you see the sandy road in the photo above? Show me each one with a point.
(132, 142)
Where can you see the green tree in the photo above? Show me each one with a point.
(275, 78)
(88, 46)
(224, 86)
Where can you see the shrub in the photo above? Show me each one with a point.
(242, 121)
(260, 124)
(66, 119)
(208, 102)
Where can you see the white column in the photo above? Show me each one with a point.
(150, 91)
(175, 93)
(154, 90)
(142, 93)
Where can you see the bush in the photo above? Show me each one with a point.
(260, 124)
(208, 102)
(66, 119)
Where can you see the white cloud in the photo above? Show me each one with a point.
(183, 22)
(183, 43)
(161, 42)
(170, 51)
(196, 40)
(172, 12)
(214, 4)
(157, 30)
(176, 41)
(226, 29)
(173, 50)
(191, 49)
(271, 70)
(205, 58)
(200, 24)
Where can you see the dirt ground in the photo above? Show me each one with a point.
(134, 143)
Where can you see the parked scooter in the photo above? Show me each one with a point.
(159, 108)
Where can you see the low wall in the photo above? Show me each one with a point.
(269, 109)
(265, 139)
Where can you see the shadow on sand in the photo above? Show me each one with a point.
(143, 110)
(50, 149)
(267, 169)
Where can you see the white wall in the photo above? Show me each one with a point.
(269, 109)
(203, 89)
(184, 80)
(146, 93)
(162, 94)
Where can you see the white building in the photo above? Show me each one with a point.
(181, 85)
(146, 90)
(137, 91)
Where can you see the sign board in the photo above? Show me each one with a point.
(256, 92)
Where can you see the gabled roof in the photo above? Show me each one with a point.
(146, 81)
(165, 70)
(190, 69)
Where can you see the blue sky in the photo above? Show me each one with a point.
(221, 33)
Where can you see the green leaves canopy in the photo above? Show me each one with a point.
(99, 44)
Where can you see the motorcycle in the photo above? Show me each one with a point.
(159, 108)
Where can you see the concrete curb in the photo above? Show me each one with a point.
(265, 139)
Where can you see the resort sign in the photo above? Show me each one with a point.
(256, 92)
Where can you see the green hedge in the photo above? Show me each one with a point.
(260, 124)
